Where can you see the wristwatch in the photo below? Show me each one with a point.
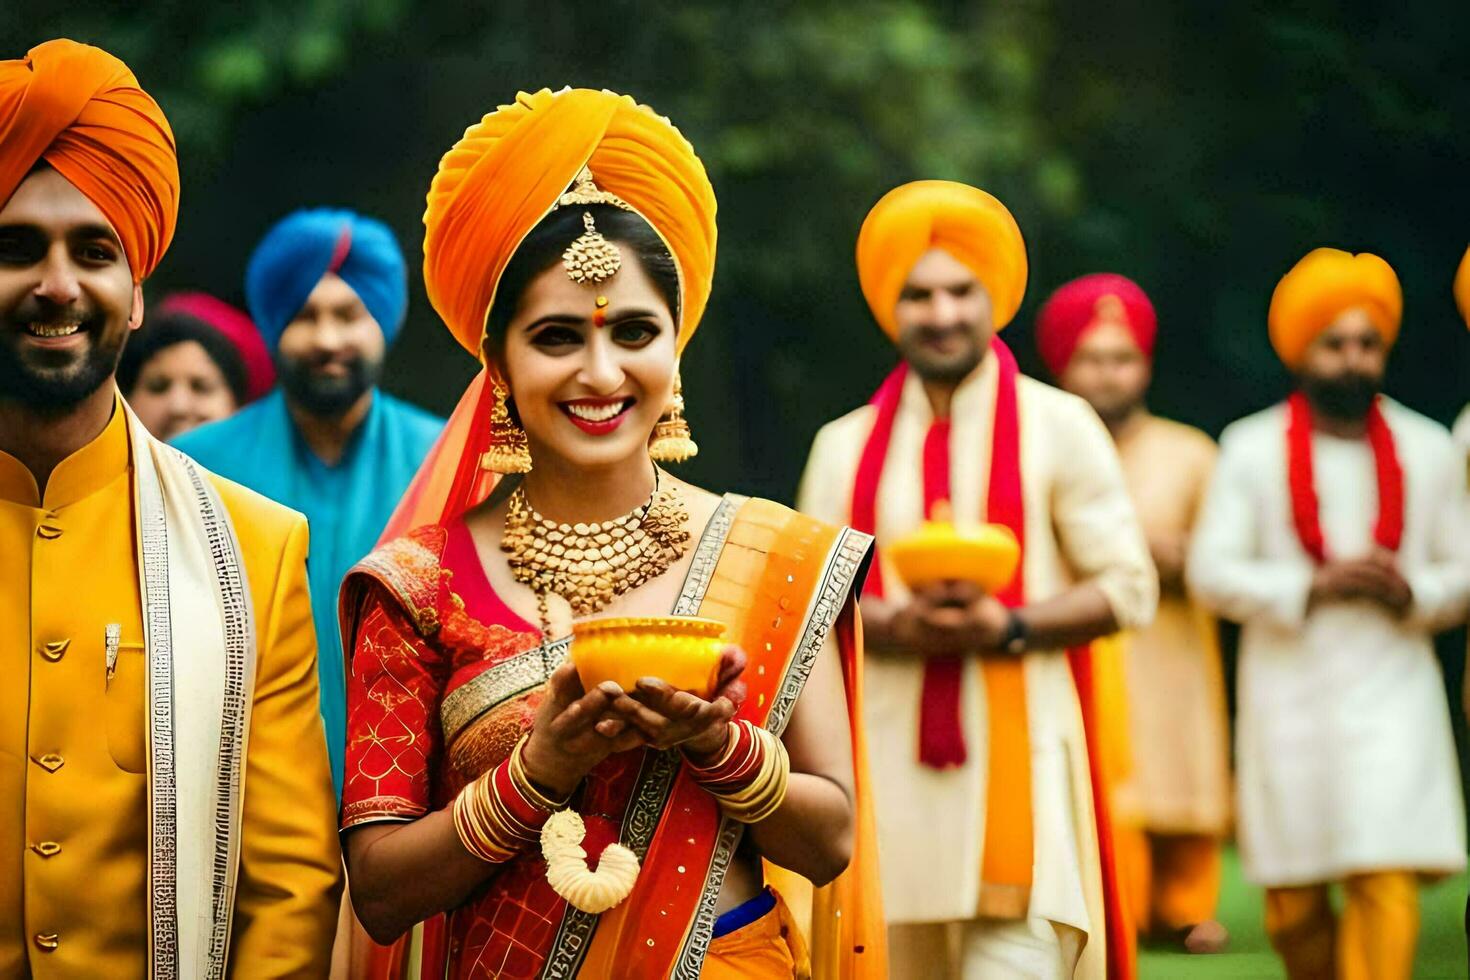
(1013, 641)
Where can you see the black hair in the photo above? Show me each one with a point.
(544, 246)
(158, 333)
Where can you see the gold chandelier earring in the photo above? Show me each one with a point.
(509, 451)
(672, 441)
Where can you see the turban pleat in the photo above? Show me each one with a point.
(80, 110)
(1319, 288)
(304, 246)
(508, 170)
(1103, 297)
(964, 221)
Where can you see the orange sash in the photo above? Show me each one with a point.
(781, 583)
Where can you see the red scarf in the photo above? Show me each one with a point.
(1389, 529)
(941, 735)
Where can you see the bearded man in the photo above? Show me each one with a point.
(165, 804)
(1329, 533)
(328, 289)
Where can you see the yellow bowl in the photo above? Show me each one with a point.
(986, 555)
(683, 651)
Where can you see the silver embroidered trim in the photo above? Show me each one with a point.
(843, 563)
(656, 777)
(235, 710)
(498, 684)
(162, 797)
(707, 555)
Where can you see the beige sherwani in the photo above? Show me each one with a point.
(1079, 527)
(1180, 780)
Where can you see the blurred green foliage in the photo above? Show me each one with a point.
(1200, 148)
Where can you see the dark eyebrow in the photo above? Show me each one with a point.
(90, 232)
(634, 314)
(556, 319)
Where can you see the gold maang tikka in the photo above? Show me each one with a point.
(591, 257)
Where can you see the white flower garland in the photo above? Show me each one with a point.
(567, 871)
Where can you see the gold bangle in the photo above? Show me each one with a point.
(523, 782)
(474, 833)
(765, 794)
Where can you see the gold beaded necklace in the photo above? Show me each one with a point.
(590, 565)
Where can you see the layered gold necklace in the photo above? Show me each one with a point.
(590, 565)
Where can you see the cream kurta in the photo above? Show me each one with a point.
(1180, 780)
(1344, 757)
(1079, 526)
(74, 855)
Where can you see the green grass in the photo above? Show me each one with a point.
(1441, 939)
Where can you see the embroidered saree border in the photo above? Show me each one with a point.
(507, 679)
(659, 769)
(770, 578)
(843, 563)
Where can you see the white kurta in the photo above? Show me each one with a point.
(1079, 526)
(1345, 759)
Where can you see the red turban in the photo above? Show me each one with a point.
(1091, 301)
(80, 110)
(237, 327)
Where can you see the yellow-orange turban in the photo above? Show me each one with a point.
(80, 110)
(506, 172)
(1320, 287)
(964, 221)
(1462, 287)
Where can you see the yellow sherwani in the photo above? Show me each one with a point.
(73, 747)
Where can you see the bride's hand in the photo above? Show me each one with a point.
(574, 731)
(667, 718)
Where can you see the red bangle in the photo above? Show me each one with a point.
(737, 765)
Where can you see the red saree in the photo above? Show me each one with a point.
(444, 678)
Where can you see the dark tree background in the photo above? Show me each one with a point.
(1200, 148)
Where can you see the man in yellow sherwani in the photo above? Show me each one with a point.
(165, 803)
(1096, 334)
(989, 840)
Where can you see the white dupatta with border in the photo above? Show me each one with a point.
(199, 633)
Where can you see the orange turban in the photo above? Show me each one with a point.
(964, 221)
(80, 110)
(1462, 287)
(506, 172)
(1320, 287)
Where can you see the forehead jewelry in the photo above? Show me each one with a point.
(599, 315)
(591, 258)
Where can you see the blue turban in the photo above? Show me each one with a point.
(304, 246)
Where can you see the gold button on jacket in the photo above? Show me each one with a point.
(73, 752)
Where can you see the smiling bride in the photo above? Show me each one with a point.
(565, 823)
